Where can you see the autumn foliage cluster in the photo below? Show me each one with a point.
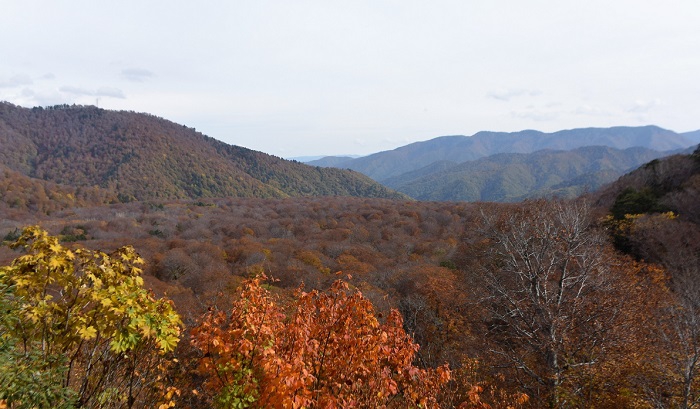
(329, 350)
(82, 321)
(80, 330)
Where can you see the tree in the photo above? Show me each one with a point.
(631, 201)
(85, 321)
(674, 243)
(328, 350)
(28, 379)
(677, 361)
(556, 299)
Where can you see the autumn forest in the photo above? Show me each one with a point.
(318, 288)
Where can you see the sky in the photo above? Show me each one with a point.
(305, 77)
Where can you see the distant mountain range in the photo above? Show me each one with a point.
(322, 160)
(510, 177)
(498, 166)
(331, 161)
(140, 157)
(383, 165)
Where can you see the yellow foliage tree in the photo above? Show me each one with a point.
(90, 310)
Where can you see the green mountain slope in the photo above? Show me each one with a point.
(384, 165)
(672, 182)
(515, 176)
(140, 156)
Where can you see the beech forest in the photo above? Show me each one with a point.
(342, 302)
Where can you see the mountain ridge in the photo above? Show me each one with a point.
(142, 156)
(516, 176)
(459, 148)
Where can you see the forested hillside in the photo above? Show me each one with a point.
(669, 184)
(655, 216)
(140, 156)
(510, 177)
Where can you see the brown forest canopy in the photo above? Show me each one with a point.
(140, 156)
(447, 267)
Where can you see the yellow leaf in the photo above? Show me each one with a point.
(87, 333)
(55, 262)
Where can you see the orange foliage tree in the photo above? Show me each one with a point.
(326, 349)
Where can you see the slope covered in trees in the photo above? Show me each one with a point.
(655, 217)
(20, 193)
(671, 183)
(510, 177)
(140, 156)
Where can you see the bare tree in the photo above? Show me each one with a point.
(674, 243)
(684, 335)
(547, 284)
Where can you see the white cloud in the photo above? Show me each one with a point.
(16, 81)
(506, 94)
(536, 114)
(109, 92)
(100, 92)
(591, 110)
(75, 90)
(136, 74)
(644, 106)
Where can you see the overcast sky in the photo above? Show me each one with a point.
(295, 78)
